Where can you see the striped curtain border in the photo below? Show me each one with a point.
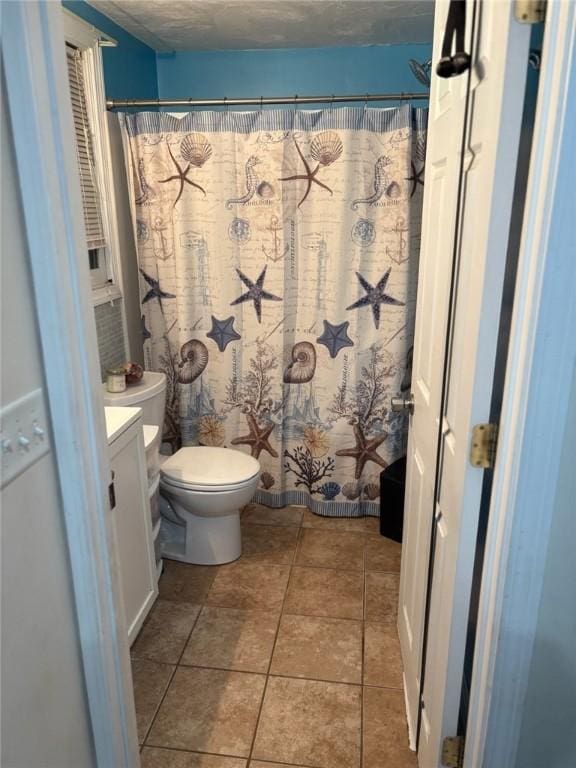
(349, 509)
(376, 120)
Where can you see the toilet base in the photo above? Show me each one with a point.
(202, 540)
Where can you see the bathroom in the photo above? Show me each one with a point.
(252, 179)
(320, 637)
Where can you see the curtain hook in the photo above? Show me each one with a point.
(261, 103)
(226, 103)
(366, 102)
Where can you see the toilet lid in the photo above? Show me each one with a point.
(203, 466)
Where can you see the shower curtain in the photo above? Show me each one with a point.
(278, 254)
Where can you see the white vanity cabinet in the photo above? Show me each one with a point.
(131, 522)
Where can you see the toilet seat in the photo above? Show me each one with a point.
(209, 469)
(169, 482)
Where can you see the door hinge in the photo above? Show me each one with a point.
(483, 448)
(529, 11)
(453, 752)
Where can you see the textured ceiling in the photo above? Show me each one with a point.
(175, 25)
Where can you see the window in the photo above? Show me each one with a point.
(84, 64)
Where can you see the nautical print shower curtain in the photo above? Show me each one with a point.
(278, 254)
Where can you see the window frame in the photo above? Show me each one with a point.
(106, 281)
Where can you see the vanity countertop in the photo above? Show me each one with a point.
(118, 419)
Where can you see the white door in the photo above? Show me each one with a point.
(500, 54)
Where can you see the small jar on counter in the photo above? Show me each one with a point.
(116, 379)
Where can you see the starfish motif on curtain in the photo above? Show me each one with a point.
(155, 291)
(335, 337)
(416, 178)
(223, 332)
(364, 450)
(309, 176)
(375, 296)
(181, 176)
(257, 438)
(145, 332)
(255, 292)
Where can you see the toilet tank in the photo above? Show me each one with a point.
(149, 394)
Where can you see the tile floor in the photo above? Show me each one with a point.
(287, 658)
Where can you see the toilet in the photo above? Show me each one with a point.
(202, 489)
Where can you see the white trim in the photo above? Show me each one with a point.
(108, 294)
(41, 115)
(89, 31)
(541, 356)
(86, 37)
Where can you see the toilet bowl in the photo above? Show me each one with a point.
(202, 491)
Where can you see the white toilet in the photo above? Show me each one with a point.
(202, 489)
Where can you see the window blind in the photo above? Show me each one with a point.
(91, 202)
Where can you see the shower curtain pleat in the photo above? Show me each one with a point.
(278, 254)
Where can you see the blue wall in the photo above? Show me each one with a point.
(129, 69)
(278, 72)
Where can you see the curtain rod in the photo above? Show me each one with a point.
(258, 102)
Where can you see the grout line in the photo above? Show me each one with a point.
(277, 674)
(157, 710)
(273, 648)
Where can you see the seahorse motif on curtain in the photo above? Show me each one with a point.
(278, 255)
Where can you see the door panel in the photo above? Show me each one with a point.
(446, 120)
(492, 138)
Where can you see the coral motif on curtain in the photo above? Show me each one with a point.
(278, 252)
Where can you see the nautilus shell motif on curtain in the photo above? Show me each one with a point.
(302, 365)
(278, 255)
(193, 361)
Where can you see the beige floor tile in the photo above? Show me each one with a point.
(382, 658)
(319, 648)
(229, 638)
(269, 544)
(151, 757)
(311, 520)
(165, 631)
(150, 681)
(259, 587)
(372, 524)
(325, 592)
(258, 514)
(382, 554)
(209, 710)
(382, 596)
(385, 730)
(186, 583)
(331, 549)
(307, 722)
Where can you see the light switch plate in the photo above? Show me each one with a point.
(24, 435)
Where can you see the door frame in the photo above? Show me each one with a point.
(41, 117)
(540, 364)
(542, 350)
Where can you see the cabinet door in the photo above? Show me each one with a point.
(133, 529)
